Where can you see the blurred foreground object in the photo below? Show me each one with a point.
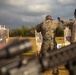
(35, 65)
(15, 48)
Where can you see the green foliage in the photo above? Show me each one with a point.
(15, 32)
(70, 19)
(23, 31)
(59, 32)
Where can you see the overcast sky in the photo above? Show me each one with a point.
(16, 13)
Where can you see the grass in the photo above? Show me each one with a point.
(34, 48)
(60, 40)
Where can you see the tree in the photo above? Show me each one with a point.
(70, 19)
(23, 31)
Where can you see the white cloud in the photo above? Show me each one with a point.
(26, 19)
(38, 8)
(67, 1)
(31, 12)
(32, 18)
(17, 2)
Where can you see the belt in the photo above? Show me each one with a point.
(49, 40)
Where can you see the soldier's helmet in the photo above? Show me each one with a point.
(48, 17)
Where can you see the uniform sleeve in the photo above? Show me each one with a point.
(68, 23)
(56, 24)
(38, 28)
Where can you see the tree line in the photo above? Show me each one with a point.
(30, 32)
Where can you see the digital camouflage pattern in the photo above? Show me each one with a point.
(72, 26)
(47, 29)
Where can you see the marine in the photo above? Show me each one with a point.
(72, 26)
(48, 30)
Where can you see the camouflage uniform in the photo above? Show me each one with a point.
(47, 29)
(72, 26)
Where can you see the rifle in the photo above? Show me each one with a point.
(37, 65)
(63, 56)
(10, 55)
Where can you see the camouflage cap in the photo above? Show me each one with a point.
(48, 17)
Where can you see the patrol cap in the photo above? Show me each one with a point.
(48, 17)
